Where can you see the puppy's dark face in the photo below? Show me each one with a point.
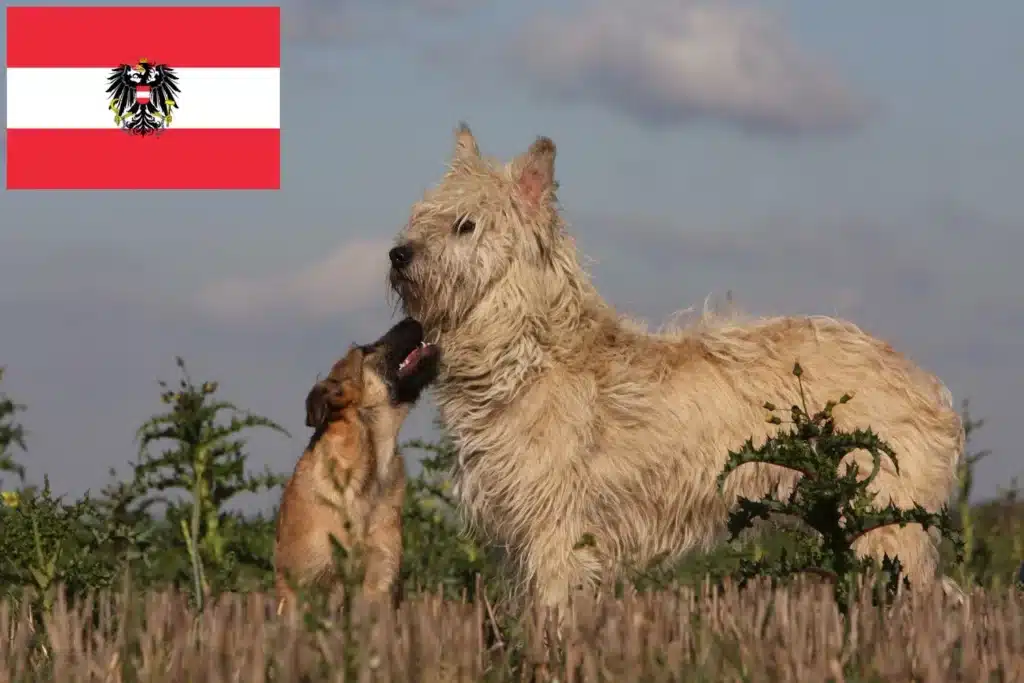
(404, 362)
(391, 372)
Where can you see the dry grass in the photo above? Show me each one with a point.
(788, 635)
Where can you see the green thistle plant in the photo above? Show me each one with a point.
(836, 505)
(12, 434)
(207, 460)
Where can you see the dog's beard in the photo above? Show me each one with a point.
(404, 290)
(441, 311)
(409, 291)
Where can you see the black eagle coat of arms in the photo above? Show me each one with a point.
(142, 96)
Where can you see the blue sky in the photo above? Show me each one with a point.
(859, 159)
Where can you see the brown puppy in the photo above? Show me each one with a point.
(349, 482)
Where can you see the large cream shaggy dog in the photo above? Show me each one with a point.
(571, 420)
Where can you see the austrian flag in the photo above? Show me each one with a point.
(158, 98)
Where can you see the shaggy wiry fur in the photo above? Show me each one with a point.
(570, 420)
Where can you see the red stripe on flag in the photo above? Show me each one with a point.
(187, 159)
(176, 36)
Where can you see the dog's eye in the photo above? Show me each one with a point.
(464, 226)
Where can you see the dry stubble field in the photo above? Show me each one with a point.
(790, 635)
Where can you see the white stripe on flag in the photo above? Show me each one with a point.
(209, 98)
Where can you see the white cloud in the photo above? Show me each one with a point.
(666, 62)
(347, 279)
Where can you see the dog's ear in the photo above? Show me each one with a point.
(466, 148)
(317, 409)
(342, 387)
(536, 180)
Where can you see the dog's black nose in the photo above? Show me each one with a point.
(400, 256)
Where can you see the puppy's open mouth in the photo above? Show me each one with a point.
(416, 357)
(412, 363)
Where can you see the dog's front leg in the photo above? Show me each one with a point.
(383, 552)
(557, 570)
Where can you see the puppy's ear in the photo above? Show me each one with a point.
(317, 410)
(342, 387)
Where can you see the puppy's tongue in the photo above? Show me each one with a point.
(408, 366)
